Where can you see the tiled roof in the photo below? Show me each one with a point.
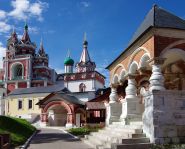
(48, 89)
(159, 18)
(95, 105)
(61, 95)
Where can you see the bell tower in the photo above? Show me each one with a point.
(18, 60)
(85, 64)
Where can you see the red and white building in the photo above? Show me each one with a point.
(23, 66)
(26, 73)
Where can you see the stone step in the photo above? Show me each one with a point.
(136, 123)
(135, 140)
(126, 126)
(102, 147)
(132, 146)
(93, 146)
(132, 130)
(121, 134)
(107, 137)
(95, 140)
(118, 123)
(139, 135)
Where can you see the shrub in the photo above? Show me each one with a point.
(79, 131)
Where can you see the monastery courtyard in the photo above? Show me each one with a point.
(50, 138)
(101, 91)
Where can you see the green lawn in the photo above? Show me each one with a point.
(19, 129)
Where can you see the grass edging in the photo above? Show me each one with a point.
(27, 143)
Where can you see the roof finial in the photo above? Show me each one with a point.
(41, 41)
(155, 5)
(68, 53)
(13, 29)
(85, 36)
(26, 25)
(85, 43)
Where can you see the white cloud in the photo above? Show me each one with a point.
(2, 14)
(85, 4)
(59, 70)
(34, 30)
(20, 7)
(23, 9)
(2, 54)
(4, 27)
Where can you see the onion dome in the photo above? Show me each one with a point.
(69, 61)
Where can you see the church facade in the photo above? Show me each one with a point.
(36, 90)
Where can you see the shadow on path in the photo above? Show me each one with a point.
(54, 139)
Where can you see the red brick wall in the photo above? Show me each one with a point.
(22, 85)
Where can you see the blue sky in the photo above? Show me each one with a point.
(109, 25)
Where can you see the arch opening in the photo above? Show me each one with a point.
(57, 116)
(17, 71)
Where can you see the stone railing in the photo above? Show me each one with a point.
(164, 116)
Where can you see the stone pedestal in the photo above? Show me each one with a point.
(130, 105)
(113, 111)
(70, 120)
(131, 110)
(69, 125)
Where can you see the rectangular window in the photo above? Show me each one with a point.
(19, 104)
(29, 104)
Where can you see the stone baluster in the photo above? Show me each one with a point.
(131, 89)
(157, 78)
(131, 109)
(113, 95)
(113, 109)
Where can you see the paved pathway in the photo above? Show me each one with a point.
(49, 138)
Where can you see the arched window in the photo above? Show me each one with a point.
(82, 87)
(17, 71)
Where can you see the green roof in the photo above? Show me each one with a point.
(68, 61)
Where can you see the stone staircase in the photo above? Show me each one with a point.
(119, 136)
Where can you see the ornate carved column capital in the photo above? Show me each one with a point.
(157, 61)
(131, 76)
(113, 85)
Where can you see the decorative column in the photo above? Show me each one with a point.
(44, 119)
(131, 89)
(131, 109)
(157, 79)
(113, 108)
(70, 120)
(28, 84)
(16, 85)
(113, 95)
(45, 83)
